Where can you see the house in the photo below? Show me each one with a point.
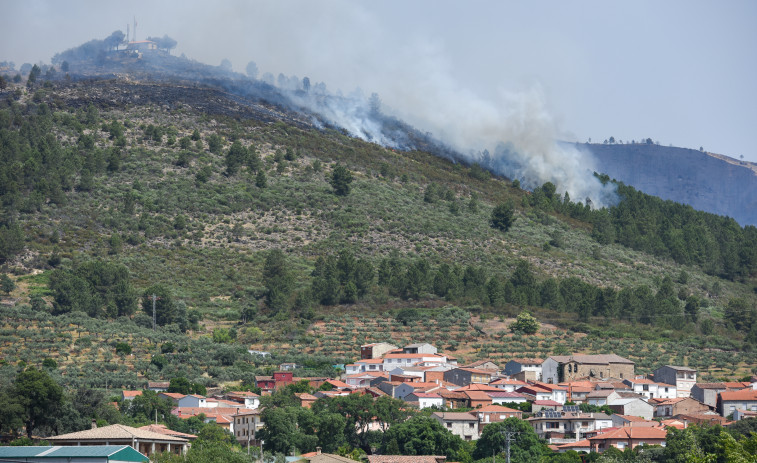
(248, 399)
(463, 425)
(602, 397)
(246, 425)
(366, 379)
(538, 405)
(89, 454)
(484, 365)
(129, 395)
(394, 360)
(740, 414)
(530, 366)
(158, 386)
(364, 365)
(495, 414)
(306, 400)
(453, 399)
(425, 400)
(539, 391)
(559, 393)
(476, 399)
(419, 348)
(578, 390)
(465, 376)
(635, 407)
(630, 420)
(504, 397)
(729, 401)
(222, 416)
(560, 368)
(162, 429)
(376, 350)
(707, 393)
(559, 427)
(707, 418)
(143, 441)
(628, 437)
(650, 389)
(174, 397)
(678, 406)
(192, 400)
(265, 383)
(396, 389)
(580, 446)
(507, 384)
(287, 366)
(683, 378)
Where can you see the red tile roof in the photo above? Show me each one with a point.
(744, 394)
(496, 409)
(548, 403)
(633, 432)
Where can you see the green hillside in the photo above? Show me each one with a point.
(115, 190)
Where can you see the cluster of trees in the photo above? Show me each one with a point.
(716, 244)
(96, 287)
(341, 279)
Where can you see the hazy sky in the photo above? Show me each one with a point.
(680, 72)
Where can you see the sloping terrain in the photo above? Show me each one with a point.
(705, 181)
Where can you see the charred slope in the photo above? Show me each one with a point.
(687, 176)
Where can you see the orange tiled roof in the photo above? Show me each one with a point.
(744, 394)
(633, 432)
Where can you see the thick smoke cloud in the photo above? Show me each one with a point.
(347, 44)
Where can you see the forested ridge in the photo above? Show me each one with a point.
(114, 184)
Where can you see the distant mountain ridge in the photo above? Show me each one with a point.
(706, 181)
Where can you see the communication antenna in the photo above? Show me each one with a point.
(127, 32)
(134, 39)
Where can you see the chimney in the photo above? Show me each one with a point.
(94, 423)
(317, 450)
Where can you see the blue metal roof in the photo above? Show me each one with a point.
(114, 452)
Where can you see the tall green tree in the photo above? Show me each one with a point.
(423, 435)
(278, 280)
(40, 398)
(526, 446)
(503, 216)
(340, 181)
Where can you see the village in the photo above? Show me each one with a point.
(584, 403)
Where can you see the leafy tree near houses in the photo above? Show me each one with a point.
(503, 216)
(40, 398)
(527, 447)
(423, 435)
(341, 177)
(525, 323)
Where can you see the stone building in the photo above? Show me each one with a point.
(560, 368)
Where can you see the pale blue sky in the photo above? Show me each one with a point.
(680, 72)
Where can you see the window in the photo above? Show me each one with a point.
(449, 425)
(470, 425)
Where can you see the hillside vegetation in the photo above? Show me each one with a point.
(254, 229)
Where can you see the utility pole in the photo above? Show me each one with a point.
(509, 437)
(154, 298)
